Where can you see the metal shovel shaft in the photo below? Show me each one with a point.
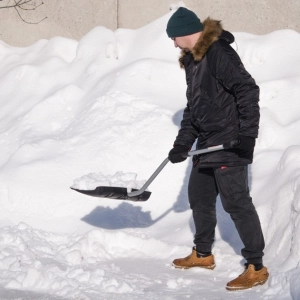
(206, 150)
(163, 164)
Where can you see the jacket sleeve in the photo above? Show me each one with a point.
(187, 134)
(230, 72)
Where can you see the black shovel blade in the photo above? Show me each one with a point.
(118, 193)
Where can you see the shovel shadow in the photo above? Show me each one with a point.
(125, 215)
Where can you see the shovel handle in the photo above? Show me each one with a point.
(210, 149)
(163, 164)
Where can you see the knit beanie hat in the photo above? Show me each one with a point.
(183, 22)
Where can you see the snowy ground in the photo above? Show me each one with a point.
(111, 103)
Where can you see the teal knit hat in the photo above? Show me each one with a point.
(183, 22)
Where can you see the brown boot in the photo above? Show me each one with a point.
(248, 279)
(193, 260)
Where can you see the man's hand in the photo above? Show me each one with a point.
(178, 154)
(241, 142)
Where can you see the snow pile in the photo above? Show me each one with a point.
(119, 179)
(68, 266)
(112, 103)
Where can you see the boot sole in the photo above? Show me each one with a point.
(189, 267)
(246, 287)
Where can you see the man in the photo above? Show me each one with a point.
(222, 108)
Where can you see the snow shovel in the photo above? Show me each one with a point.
(140, 195)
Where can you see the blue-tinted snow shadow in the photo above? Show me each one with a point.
(182, 202)
(11, 294)
(125, 215)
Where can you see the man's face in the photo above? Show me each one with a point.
(187, 42)
(182, 42)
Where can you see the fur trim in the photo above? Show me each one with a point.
(212, 31)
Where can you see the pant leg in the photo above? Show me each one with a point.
(232, 183)
(202, 191)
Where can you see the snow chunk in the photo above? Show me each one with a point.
(172, 284)
(175, 6)
(74, 257)
(32, 277)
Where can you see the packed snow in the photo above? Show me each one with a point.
(92, 180)
(106, 109)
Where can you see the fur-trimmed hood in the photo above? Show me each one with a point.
(211, 33)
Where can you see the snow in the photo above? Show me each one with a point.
(106, 109)
(119, 179)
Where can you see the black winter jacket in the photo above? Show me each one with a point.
(222, 98)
